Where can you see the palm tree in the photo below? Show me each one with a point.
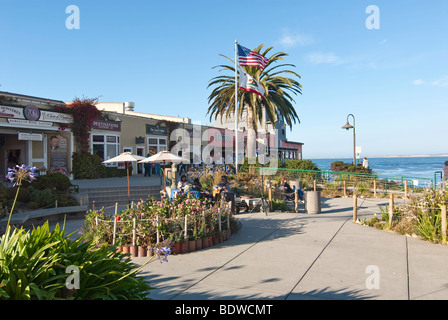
(277, 100)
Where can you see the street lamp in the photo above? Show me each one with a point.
(348, 126)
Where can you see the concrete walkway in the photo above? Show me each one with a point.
(292, 256)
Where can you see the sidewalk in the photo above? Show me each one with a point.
(292, 256)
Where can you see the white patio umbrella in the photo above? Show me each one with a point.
(126, 157)
(164, 157)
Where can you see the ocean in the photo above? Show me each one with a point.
(412, 167)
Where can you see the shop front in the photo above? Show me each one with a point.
(30, 134)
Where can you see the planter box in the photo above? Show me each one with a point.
(198, 244)
(176, 248)
(142, 251)
(205, 243)
(210, 241)
(184, 247)
(133, 251)
(191, 245)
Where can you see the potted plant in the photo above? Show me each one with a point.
(141, 251)
(183, 245)
(199, 240)
(119, 243)
(150, 250)
(192, 242)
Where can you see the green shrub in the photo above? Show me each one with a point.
(42, 198)
(280, 205)
(56, 182)
(89, 166)
(33, 266)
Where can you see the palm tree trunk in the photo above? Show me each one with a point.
(251, 136)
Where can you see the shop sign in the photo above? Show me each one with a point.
(106, 125)
(139, 140)
(31, 123)
(27, 136)
(156, 130)
(11, 112)
(51, 116)
(32, 113)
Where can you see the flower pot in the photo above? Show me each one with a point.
(229, 233)
(126, 249)
(191, 245)
(210, 241)
(216, 239)
(176, 248)
(142, 251)
(205, 244)
(119, 249)
(198, 244)
(224, 235)
(133, 251)
(149, 251)
(184, 247)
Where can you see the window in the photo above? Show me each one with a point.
(106, 146)
(156, 144)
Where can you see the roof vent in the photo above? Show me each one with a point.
(129, 106)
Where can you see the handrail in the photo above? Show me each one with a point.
(340, 173)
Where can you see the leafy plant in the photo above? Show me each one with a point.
(33, 265)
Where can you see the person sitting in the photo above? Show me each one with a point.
(197, 186)
(221, 187)
(289, 192)
(182, 183)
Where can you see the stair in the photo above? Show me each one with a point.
(108, 196)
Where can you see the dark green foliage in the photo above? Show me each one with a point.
(340, 166)
(89, 166)
(299, 164)
(57, 182)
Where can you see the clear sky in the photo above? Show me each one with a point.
(160, 55)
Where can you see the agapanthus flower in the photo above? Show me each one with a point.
(21, 173)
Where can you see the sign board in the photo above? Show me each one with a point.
(30, 136)
(139, 140)
(156, 130)
(32, 113)
(23, 122)
(106, 125)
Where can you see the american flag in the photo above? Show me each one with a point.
(249, 58)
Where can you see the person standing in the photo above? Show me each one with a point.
(147, 167)
(365, 163)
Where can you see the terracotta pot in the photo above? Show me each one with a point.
(224, 235)
(198, 244)
(229, 233)
(216, 239)
(205, 244)
(119, 248)
(149, 251)
(191, 245)
(142, 251)
(210, 241)
(126, 249)
(133, 251)
(176, 248)
(184, 247)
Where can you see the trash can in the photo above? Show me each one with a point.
(313, 202)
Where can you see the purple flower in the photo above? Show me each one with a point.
(20, 173)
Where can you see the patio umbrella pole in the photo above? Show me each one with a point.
(129, 190)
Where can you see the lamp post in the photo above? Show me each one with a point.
(348, 126)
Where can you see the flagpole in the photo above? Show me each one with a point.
(236, 107)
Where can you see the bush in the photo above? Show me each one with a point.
(89, 166)
(33, 266)
(340, 166)
(56, 182)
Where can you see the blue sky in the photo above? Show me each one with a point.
(160, 56)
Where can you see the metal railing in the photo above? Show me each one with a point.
(337, 176)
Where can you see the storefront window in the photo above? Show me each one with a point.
(156, 144)
(106, 146)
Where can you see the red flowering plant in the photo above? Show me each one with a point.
(84, 112)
